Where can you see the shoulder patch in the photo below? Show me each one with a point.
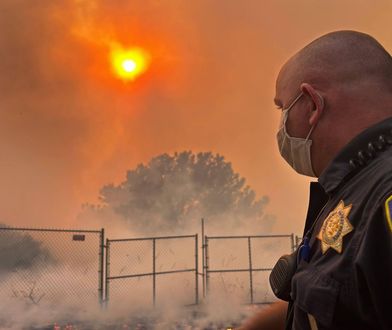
(388, 211)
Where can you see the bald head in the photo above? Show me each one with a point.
(346, 80)
(342, 57)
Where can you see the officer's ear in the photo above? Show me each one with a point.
(317, 106)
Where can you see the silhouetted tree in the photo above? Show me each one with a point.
(173, 188)
(19, 251)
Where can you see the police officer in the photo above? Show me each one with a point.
(336, 101)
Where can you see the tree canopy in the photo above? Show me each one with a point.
(171, 189)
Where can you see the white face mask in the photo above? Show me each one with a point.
(296, 151)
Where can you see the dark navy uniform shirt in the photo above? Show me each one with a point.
(347, 281)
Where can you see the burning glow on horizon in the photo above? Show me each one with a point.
(128, 64)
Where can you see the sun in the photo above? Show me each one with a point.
(128, 64)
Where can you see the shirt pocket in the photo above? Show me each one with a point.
(315, 293)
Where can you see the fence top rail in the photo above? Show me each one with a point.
(51, 230)
(150, 238)
(152, 274)
(237, 270)
(251, 236)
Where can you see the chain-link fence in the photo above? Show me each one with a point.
(51, 267)
(239, 266)
(147, 271)
(68, 267)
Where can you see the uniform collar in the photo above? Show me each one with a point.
(358, 153)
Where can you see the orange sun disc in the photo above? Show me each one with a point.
(128, 64)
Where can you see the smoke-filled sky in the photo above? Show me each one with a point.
(68, 125)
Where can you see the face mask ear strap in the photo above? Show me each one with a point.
(285, 112)
(310, 132)
(295, 101)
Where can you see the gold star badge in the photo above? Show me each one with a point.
(335, 226)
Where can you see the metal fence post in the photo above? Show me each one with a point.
(206, 263)
(196, 270)
(153, 273)
(292, 243)
(203, 258)
(101, 265)
(107, 267)
(250, 271)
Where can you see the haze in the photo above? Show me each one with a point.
(68, 125)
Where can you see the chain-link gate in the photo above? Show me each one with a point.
(68, 268)
(239, 266)
(147, 271)
(51, 266)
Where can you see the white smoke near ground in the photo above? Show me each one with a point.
(40, 298)
(130, 308)
(64, 291)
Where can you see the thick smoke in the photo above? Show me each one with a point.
(68, 126)
(172, 193)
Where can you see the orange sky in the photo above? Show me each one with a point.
(67, 126)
